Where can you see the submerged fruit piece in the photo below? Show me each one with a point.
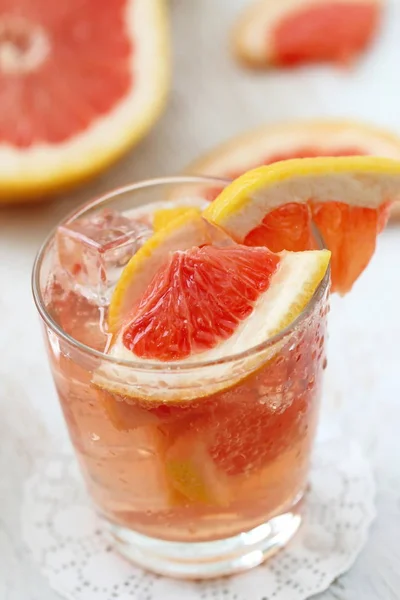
(78, 87)
(191, 471)
(297, 139)
(292, 32)
(246, 208)
(251, 437)
(123, 413)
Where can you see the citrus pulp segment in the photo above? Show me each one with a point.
(83, 85)
(198, 299)
(347, 197)
(293, 32)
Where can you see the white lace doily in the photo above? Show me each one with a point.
(66, 537)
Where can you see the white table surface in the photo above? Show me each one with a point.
(211, 100)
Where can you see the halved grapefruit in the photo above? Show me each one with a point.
(275, 205)
(79, 85)
(297, 139)
(293, 32)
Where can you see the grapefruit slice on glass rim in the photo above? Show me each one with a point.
(293, 32)
(275, 206)
(297, 139)
(78, 86)
(190, 295)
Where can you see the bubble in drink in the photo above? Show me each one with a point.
(92, 251)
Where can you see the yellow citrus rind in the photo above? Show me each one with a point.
(185, 231)
(359, 181)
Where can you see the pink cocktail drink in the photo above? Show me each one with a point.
(204, 472)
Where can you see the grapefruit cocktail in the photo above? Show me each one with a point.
(188, 362)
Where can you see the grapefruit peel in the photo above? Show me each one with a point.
(360, 181)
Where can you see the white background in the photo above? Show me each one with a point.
(211, 100)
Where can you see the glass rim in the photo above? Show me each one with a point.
(171, 366)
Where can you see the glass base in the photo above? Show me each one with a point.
(204, 560)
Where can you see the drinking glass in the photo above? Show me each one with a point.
(201, 470)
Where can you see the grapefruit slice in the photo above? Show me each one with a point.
(197, 300)
(181, 300)
(293, 32)
(298, 139)
(275, 204)
(211, 302)
(79, 86)
(265, 434)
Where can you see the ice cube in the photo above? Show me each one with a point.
(93, 250)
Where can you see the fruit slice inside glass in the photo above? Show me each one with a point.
(212, 482)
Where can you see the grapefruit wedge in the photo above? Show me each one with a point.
(297, 139)
(79, 85)
(275, 205)
(289, 33)
(188, 296)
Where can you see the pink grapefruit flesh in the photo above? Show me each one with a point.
(80, 83)
(197, 300)
(39, 105)
(334, 32)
